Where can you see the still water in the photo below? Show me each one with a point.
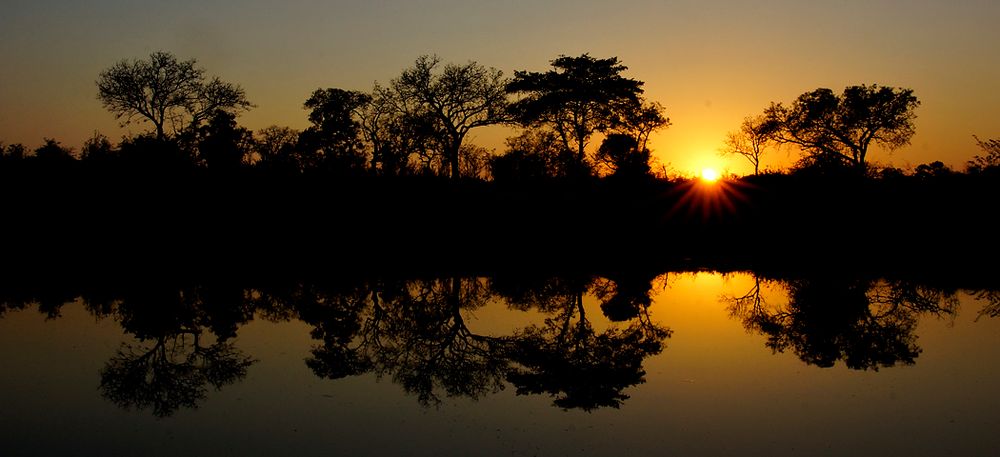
(693, 363)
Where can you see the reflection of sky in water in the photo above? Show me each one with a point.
(715, 389)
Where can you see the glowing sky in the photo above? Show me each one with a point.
(709, 63)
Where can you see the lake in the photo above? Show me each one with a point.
(677, 363)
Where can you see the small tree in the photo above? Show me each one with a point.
(222, 144)
(16, 151)
(166, 92)
(53, 152)
(641, 121)
(620, 154)
(532, 155)
(97, 148)
(273, 145)
(751, 140)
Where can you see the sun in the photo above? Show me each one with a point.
(709, 175)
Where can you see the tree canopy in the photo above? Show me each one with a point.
(454, 100)
(579, 96)
(840, 128)
(166, 92)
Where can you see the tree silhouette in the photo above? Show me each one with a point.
(146, 153)
(334, 138)
(14, 152)
(274, 148)
(455, 100)
(427, 346)
(933, 170)
(578, 97)
(832, 128)
(620, 154)
(624, 296)
(992, 306)
(579, 367)
(641, 121)
(565, 357)
(223, 145)
(751, 140)
(97, 148)
(166, 92)
(392, 134)
(532, 155)
(867, 325)
(411, 331)
(990, 160)
(338, 318)
(53, 154)
(173, 373)
(175, 360)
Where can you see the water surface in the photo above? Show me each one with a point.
(695, 363)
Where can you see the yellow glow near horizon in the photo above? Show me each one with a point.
(709, 175)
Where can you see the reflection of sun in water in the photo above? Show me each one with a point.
(709, 175)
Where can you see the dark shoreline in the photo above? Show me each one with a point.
(208, 225)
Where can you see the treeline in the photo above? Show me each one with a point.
(113, 217)
(417, 124)
(387, 174)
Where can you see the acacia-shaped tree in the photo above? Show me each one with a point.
(833, 128)
(578, 97)
(166, 92)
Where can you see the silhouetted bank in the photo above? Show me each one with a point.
(250, 222)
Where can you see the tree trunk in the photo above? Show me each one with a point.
(452, 157)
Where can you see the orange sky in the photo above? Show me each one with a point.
(710, 64)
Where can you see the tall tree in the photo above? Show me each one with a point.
(457, 99)
(841, 128)
(166, 92)
(579, 96)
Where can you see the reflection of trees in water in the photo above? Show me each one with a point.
(428, 344)
(991, 307)
(49, 298)
(567, 359)
(172, 373)
(411, 331)
(173, 367)
(864, 323)
(414, 332)
(580, 367)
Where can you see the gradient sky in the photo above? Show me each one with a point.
(709, 63)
